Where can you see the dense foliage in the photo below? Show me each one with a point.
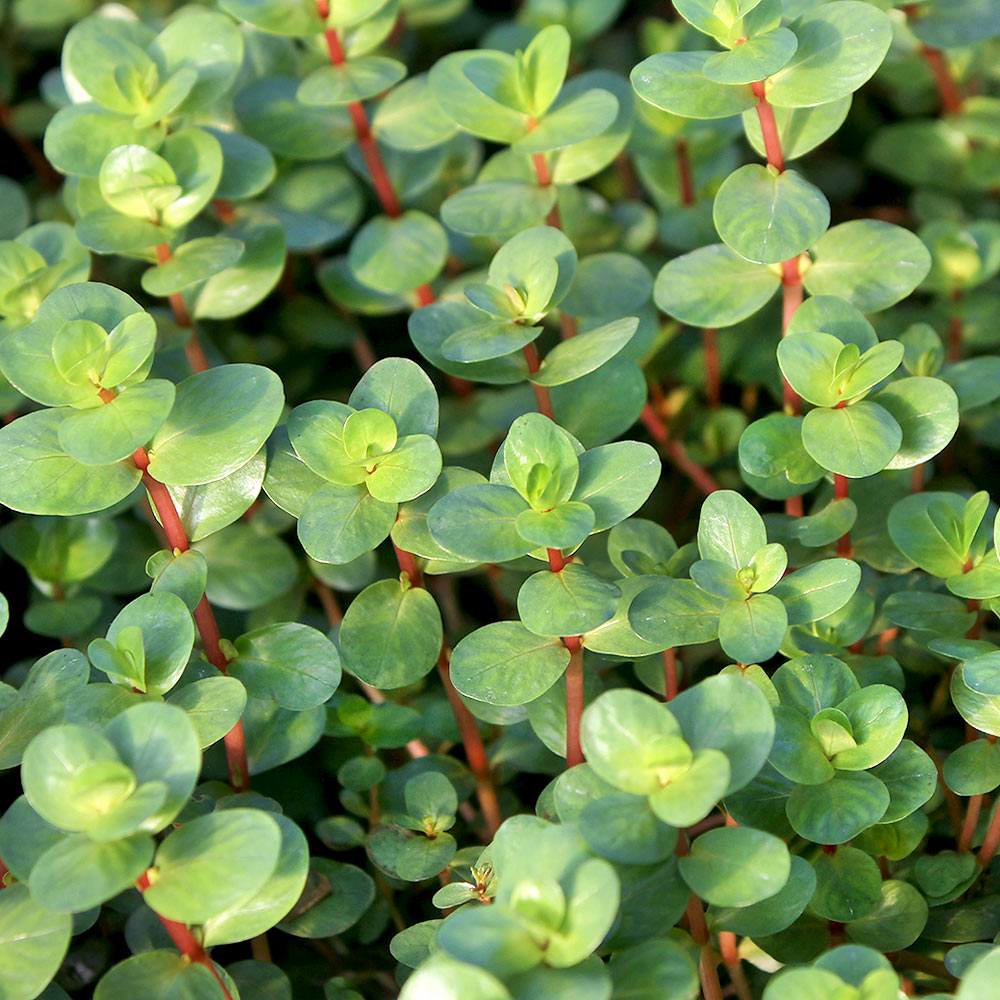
(669, 662)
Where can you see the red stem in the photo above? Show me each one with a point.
(675, 451)
(841, 491)
(670, 674)
(193, 349)
(992, 840)
(574, 700)
(708, 973)
(46, 173)
(969, 826)
(791, 278)
(768, 128)
(475, 751)
(408, 565)
(544, 176)
(955, 330)
(947, 87)
(685, 178)
(543, 400)
(204, 617)
(381, 181)
(713, 383)
(185, 942)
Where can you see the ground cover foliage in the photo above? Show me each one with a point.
(496, 502)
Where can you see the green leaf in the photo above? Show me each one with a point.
(974, 768)
(580, 117)
(38, 477)
(728, 713)
(497, 208)
(751, 630)
(521, 259)
(112, 432)
(410, 118)
(445, 978)
(341, 523)
(34, 942)
(980, 977)
(204, 41)
(569, 602)
(730, 530)
(623, 829)
(896, 922)
(72, 776)
(818, 590)
(51, 684)
(504, 664)
(675, 613)
(78, 873)
(775, 913)
(391, 635)
(279, 894)
(492, 937)
(337, 897)
(839, 47)
(544, 65)
(769, 217)
(713, 287)
(615, 480)
(213, 705)
(409, 856)
(736, 866)
(159, 975)
(563, 527)
(210, 507)
(584, 353)
(94, 49)
(690, 796)
(633, 742)
(848, 885)
(191, 263)
(213, 862)
(911, 777)
(760, 56)
(394, 256)
(872, 264)
(220, 420)
(478, 522)
(676, 82)
(878, 719)
(270, 113)
(240, 287)
(137, 182)
(919, 528)
(837, 810)
(799, 129)
(247, 569)
(400, 388)
(479, 91)
(355, 80)
(855, 441)
(159, 744)
(275, 735)
(79, 137)
(296, 665)
(647, 970)
(166, 633)
(279, 18)
(926, 410)
(773, 447)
